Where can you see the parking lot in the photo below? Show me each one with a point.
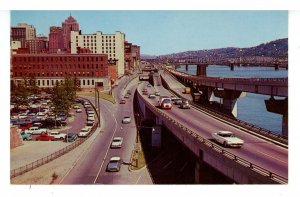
(33, 150)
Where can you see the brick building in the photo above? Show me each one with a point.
(51, 68)
(56, 40)
(132, 56)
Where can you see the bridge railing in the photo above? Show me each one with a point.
(280, 81)
(273, 176)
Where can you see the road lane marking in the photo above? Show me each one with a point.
(83, 152)
(138, 179)
(272, 157)
(116, 126)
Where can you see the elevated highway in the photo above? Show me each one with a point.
(258, 161)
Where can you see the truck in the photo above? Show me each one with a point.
(187, 90)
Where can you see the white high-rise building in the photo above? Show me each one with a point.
(99, 43)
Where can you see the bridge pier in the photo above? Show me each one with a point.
(201, 69)
(229, 99)
(279, 106)
(187, 67)
(276, 66)
(231, 67)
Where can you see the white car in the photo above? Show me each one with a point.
(126, 120)
(35, 131)
(227, 139)
(116, 142)
(78, 110)
(84, 131)
(57, 135)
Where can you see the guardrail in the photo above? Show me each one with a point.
(253, 128)
(219, 149)
(31, 166)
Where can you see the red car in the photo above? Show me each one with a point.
(123, 101)
(44, 137)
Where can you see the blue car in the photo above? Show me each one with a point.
(26, 136)
(71, 137)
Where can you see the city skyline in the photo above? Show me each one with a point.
(154, 30)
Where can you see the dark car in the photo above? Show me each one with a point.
(185, 105)
(129, 92)
(177, 101)
(71, 137)
(114, 164)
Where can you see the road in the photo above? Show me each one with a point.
(90, 169)
(255, 150)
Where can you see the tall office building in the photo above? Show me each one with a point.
(56, 41)
(70, 24)
(99, 43)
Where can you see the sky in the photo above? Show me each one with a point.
(164, 32)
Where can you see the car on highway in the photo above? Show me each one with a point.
(122, 101)
(151, 96)
(177, 101)
(126, 120)
(227, 139)
(158, 84)
(114, 164)
(116, 142)
(57, 135)
(185, 105)
(71, 137)
(129, 92)
(157, 93)
(44, 137)
(78, 110)
(126, 96)
(149, 85)
(90, 123)
(26, 136)
(145, 92)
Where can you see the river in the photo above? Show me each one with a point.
(251, 108)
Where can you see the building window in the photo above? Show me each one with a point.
(39, 83)
(83, 82)
(47, 82)
(88, 82)
(93, 83)
(43, 81)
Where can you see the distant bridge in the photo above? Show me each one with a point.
(244, 61)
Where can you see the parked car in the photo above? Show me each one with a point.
(149, 85)
(123, 101)
(71, 137)
(44, 137)
(145, 92)
(126, 120)
(116, 142)
(76, 107)
(84, 132)
(185, 105)
(227, 139)
(26, 136)
(126, 96)
(35, 130)
(129, 92)
(90, 123)
(114, 164)
(57, 135)
(157, 93)
(78, 110)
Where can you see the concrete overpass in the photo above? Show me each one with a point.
(258, 161)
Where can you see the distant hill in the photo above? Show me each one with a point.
(276, 48)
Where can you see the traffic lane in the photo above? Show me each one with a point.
(282, 153)
(79, 121)
(86, 169)
(128, 132)
(276, 155)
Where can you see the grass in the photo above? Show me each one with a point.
(139, 155)
(104, 96)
